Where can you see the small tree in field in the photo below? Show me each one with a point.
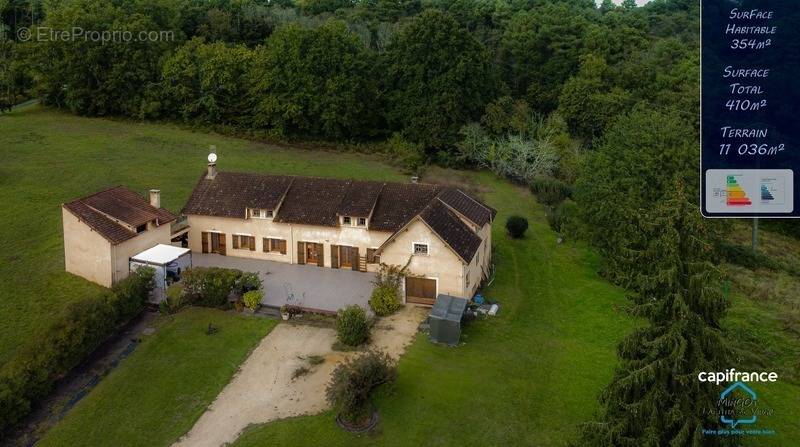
(516, 226)
(353, 382)
(352, 326)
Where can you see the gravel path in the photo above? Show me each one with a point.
(263, 390)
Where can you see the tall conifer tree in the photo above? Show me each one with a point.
(655, 398)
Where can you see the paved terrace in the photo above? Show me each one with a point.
(318, 288)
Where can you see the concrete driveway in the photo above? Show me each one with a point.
(312, 287)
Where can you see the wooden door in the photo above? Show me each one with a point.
(311, 254)
(345, 256)
(301, 252)
(420, 290)
(334, 256)
(320, 255)
(214, 242)
(204, 237)
(221, 247)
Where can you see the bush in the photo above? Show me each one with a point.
(247, 282)
(252, 299)
(746, 256)
(564, 218)
(354, 380)
(352, 326)
(516, 226)
(210, 286)
(550, 191)
(174, 300)
(385, 299)
(49, 356)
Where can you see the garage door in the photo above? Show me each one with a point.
(420, 290)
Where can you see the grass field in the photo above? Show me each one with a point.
(155, 396)
(50, 158)
(526, 377)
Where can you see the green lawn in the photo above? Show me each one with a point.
(156, 395)
(50, 158)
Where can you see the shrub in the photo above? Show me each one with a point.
(247, 282)
(409, 155)
(354, 380)
(210, 286)
(252, 299)
(564, 218)
(132, 293)
(83, 326)
(385, 299)
(174, 300)
(516, 226)
(352, 326)
(550, 191)
(746, 256)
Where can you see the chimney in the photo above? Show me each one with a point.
(212, 163)
(155, 198)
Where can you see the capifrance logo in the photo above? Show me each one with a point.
(731, 375)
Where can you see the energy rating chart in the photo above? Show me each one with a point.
(749, 191)
(750, 97)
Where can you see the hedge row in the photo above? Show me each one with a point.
(84, 326)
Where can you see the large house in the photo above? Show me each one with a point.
(104, 230)
(440, 234)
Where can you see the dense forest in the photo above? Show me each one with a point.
(595, 107)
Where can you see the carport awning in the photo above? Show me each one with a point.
(161, 254)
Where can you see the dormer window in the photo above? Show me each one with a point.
(260, 214)
(346, 220)
(362, 221)
(141, 228)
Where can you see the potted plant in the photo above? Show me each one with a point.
(285, 312)
(252, 300)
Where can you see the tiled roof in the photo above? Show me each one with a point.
(399, 203)
(104, 211)
(360, 198)
(451, 229)
(229, 194)
(469, 207)
(320, 201)
(312, 201)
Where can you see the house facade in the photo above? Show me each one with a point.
(441, 234)
(102, 231)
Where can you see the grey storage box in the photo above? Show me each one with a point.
(445, 319)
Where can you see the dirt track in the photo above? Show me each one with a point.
(263, 390)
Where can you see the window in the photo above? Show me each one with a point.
(420, 249)
(467, 279)
(141, 228)
(362, 221)
(274, 245)
(346, 220)
(244, 242)
(260, 214)
(372, 258)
